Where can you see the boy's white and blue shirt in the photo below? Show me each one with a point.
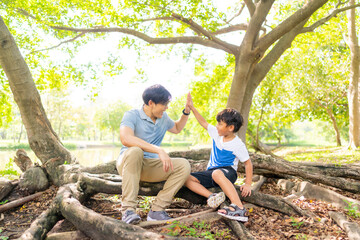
(226, 153)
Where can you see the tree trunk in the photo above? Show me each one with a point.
(335, 125)
(21, 131)
(353, 93)
(42, 138)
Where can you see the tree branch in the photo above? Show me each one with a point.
(200, 30)
(327, 18)
(271, 58)
(237, 14)
(233, 28)
(251, 7)
(61, 43)
(256, 22)
(287, 25)
(151, 40)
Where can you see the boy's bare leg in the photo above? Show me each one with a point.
(194, 185)
(227, 187)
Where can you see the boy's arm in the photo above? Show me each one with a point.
(246, 188)
(197, 115)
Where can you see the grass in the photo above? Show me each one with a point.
(335, 155)
(10, 145)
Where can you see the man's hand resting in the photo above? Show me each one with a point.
(165, 159)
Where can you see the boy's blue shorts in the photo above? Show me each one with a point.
(206, 180)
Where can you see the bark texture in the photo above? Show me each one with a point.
(42, 138)
(353, 92)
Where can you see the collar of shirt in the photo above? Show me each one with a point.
(146, 117)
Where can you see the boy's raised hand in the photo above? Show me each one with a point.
(189, 101)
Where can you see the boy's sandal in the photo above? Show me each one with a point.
(235, 213)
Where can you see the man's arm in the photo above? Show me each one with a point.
(128, 139)
(180, 124)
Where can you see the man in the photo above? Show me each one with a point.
(142, 158)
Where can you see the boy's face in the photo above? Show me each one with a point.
(224, 129)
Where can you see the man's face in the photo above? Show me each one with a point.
(159, 109)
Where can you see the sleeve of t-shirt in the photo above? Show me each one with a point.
(168, 121)
(213, 133)
(129, 120)
(242, 153)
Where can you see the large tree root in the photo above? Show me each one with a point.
(19, 202)
(97, 226)
(240, 230)
(309, 190)
(352, 229)
(74, 235)
(207, 215)
(42, 225)
(6, 187)
(331, 170)
(77, 185)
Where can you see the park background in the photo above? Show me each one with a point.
(86, 86)
(290, 67)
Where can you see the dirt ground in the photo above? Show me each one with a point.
(263, 223)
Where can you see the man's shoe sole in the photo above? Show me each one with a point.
(149, 219)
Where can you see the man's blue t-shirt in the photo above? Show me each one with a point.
(225, 154)
(146, 129)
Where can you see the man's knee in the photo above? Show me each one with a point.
(184, 166)
(135, 151)
(133, 156)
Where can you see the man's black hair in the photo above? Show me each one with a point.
(157, 94)
(230, 117)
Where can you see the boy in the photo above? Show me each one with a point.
(226, 151)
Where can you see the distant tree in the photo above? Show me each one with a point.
(109, 117)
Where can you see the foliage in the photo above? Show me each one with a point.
(3, 237)
(299, 87)
(304, 84)
(3, 202)
(9, 170)
(197, 230)
(110, 117)
(146, 202)
(352, 209)
(296, 223)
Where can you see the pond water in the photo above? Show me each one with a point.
(86, 156)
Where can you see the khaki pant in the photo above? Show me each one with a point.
(133, 168)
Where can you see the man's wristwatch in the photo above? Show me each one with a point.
(186, 114)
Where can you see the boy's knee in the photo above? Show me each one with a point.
(217, 174)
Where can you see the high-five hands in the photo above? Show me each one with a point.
(189, 101)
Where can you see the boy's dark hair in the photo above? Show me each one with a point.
(231, 117)
(157, 94)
